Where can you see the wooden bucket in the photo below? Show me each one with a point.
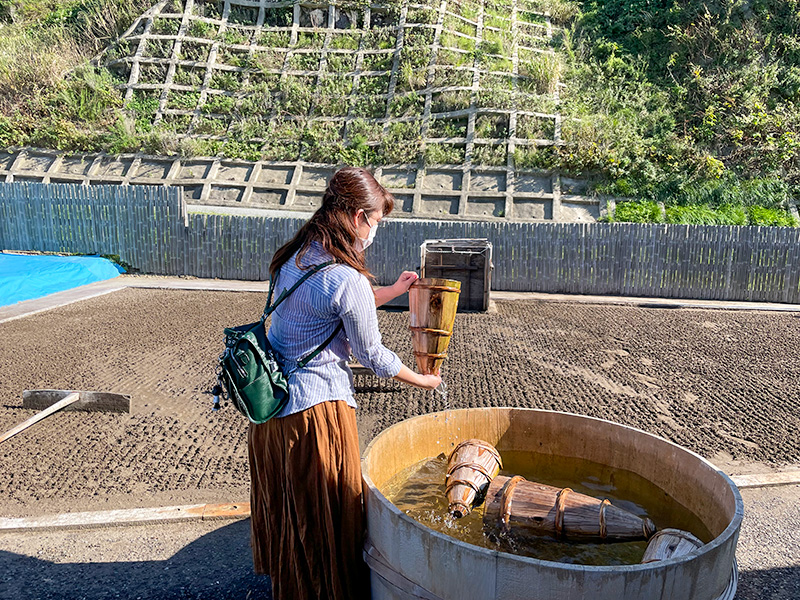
(471, 467)
(526, 508)
(432, 306)
(669, 543)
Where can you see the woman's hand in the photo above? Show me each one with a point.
(404, 282)
(430, 382)
(398, 288)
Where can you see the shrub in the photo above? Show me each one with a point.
(532, 157)
(93, 24)
(697, 214)
(89, 96)
(322, 142)
(183, 100)
(402, 144)
(542, 72)
(295, 96)
(364, 130)
(444, 154)
(33, 64)
(369, 107)
(225, 80)
(237, 149)
(407, 106)
(637, 212)
(485, 154)
(219, 104)
(201, 29)
(760, 215)
(447, 128)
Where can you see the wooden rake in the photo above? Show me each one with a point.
(52, 401)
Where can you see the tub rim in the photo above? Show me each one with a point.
(731, 529)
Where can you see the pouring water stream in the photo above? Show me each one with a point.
(442, 391)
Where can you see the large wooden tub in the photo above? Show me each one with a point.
(409, 560)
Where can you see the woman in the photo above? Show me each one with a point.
(307, 521)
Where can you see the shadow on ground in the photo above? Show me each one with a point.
(769, 584)
(216, 566)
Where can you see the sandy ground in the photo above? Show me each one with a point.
(722, 383)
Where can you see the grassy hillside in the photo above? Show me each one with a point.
(49, 94)
(694, 105)
(689, 110)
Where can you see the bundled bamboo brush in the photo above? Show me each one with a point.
(470, 469)
(515, 506)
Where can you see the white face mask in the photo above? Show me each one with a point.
(373, 229)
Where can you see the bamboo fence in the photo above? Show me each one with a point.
(150, 229)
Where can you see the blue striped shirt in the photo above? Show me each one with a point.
(309, 315)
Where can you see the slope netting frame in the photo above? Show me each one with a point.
(366, 79)
(426, 87)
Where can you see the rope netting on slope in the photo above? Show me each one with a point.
(452, 83)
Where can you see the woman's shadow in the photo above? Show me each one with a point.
(216, 566)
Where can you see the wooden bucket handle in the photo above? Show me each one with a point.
(561, 500)
(602, 518)
(479, 468)
(429, 330)
(505, 504)
(480, 444)
(443, 288)
(443, 355)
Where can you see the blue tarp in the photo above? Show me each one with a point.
(23, 277)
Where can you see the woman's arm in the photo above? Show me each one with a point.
(384, 295)
(428, 382)
(399, 287)
(354, 306)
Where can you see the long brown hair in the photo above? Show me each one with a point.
(350, 189)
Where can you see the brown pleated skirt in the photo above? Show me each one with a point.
(306, 504)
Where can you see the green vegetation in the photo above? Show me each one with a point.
(72, 106)
(491, 126)
(648, 211)
(407, 106)
(444, 154)
(447, 128)
(531, 157)
(333, 95)
(49, 95)
(695, 105)
(219, 104)
(345, 41)
(200, 29)
(484, 154)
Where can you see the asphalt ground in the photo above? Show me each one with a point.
(210, 560)
(722, 382)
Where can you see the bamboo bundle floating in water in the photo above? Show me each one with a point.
(432, 305)
(669, 543)
(517, 506)
(471, 467)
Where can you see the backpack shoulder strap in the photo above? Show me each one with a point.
(268, 309)
(302, 363)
